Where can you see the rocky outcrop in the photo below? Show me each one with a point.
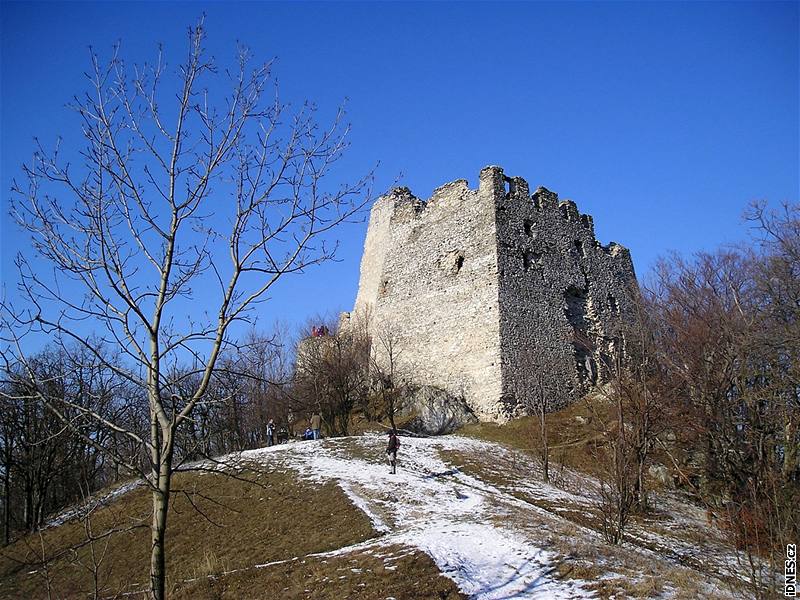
(435, 412)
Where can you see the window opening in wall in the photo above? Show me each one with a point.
(564, 211)
(612, 305)
(587, 370)
(575, 307)
(452, 262)
(384, 288)
(527, 226)
(530, 259)
(527, 259)
(507, 186)
(576, 311)
(579, 247)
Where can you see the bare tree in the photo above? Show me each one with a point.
(540, 409)
(97, 545)
(42, 459)
(626, 428)
(332, 376)
(392, 378)
(704, 320)
(641, 388)
(8, 443)
(169, 194)
(266, 366)
(727, 331)
(247, 390)
(628, 415)
(777, 285)
(537, 390)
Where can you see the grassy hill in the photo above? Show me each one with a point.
(264, 534)
(463, 517)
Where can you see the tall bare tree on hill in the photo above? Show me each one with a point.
(392, 375)
(124, 225)
(537, 389)
(332, 376)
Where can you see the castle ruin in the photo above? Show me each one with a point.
(495, 295)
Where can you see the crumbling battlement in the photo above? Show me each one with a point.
(494, 294)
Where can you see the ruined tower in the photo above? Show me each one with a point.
(495, 295)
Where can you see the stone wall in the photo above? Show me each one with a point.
(484, 290)
(562, 297)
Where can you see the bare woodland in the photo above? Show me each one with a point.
(123, 219)
(709, 383)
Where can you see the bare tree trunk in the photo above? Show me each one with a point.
(545, 448)
(391, 415)
(790, 446)
(237, 433)
(29, 506)
(6, 497)
(158, 530)
(640, 492)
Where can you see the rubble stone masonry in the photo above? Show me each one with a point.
(495, 295)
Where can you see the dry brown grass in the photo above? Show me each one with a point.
(613, 572)
(507, 478)
(572, 433)
(390, 572)
(272, 518)
(256, 519)
(275, 518)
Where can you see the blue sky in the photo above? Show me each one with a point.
(662, 120)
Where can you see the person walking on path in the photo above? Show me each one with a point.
(391, 450)
(270, 433)
(315, 425)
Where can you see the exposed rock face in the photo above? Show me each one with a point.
(661, 474)
(436, 412)
(490, 292)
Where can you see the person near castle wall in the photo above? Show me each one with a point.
(316, 422)
(391, 450)
(270, 433)
(320, 331)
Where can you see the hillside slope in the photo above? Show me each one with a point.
(327, 520)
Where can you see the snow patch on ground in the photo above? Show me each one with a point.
(78, 511)
(360, 503)
(455, 518)
(492, 540)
